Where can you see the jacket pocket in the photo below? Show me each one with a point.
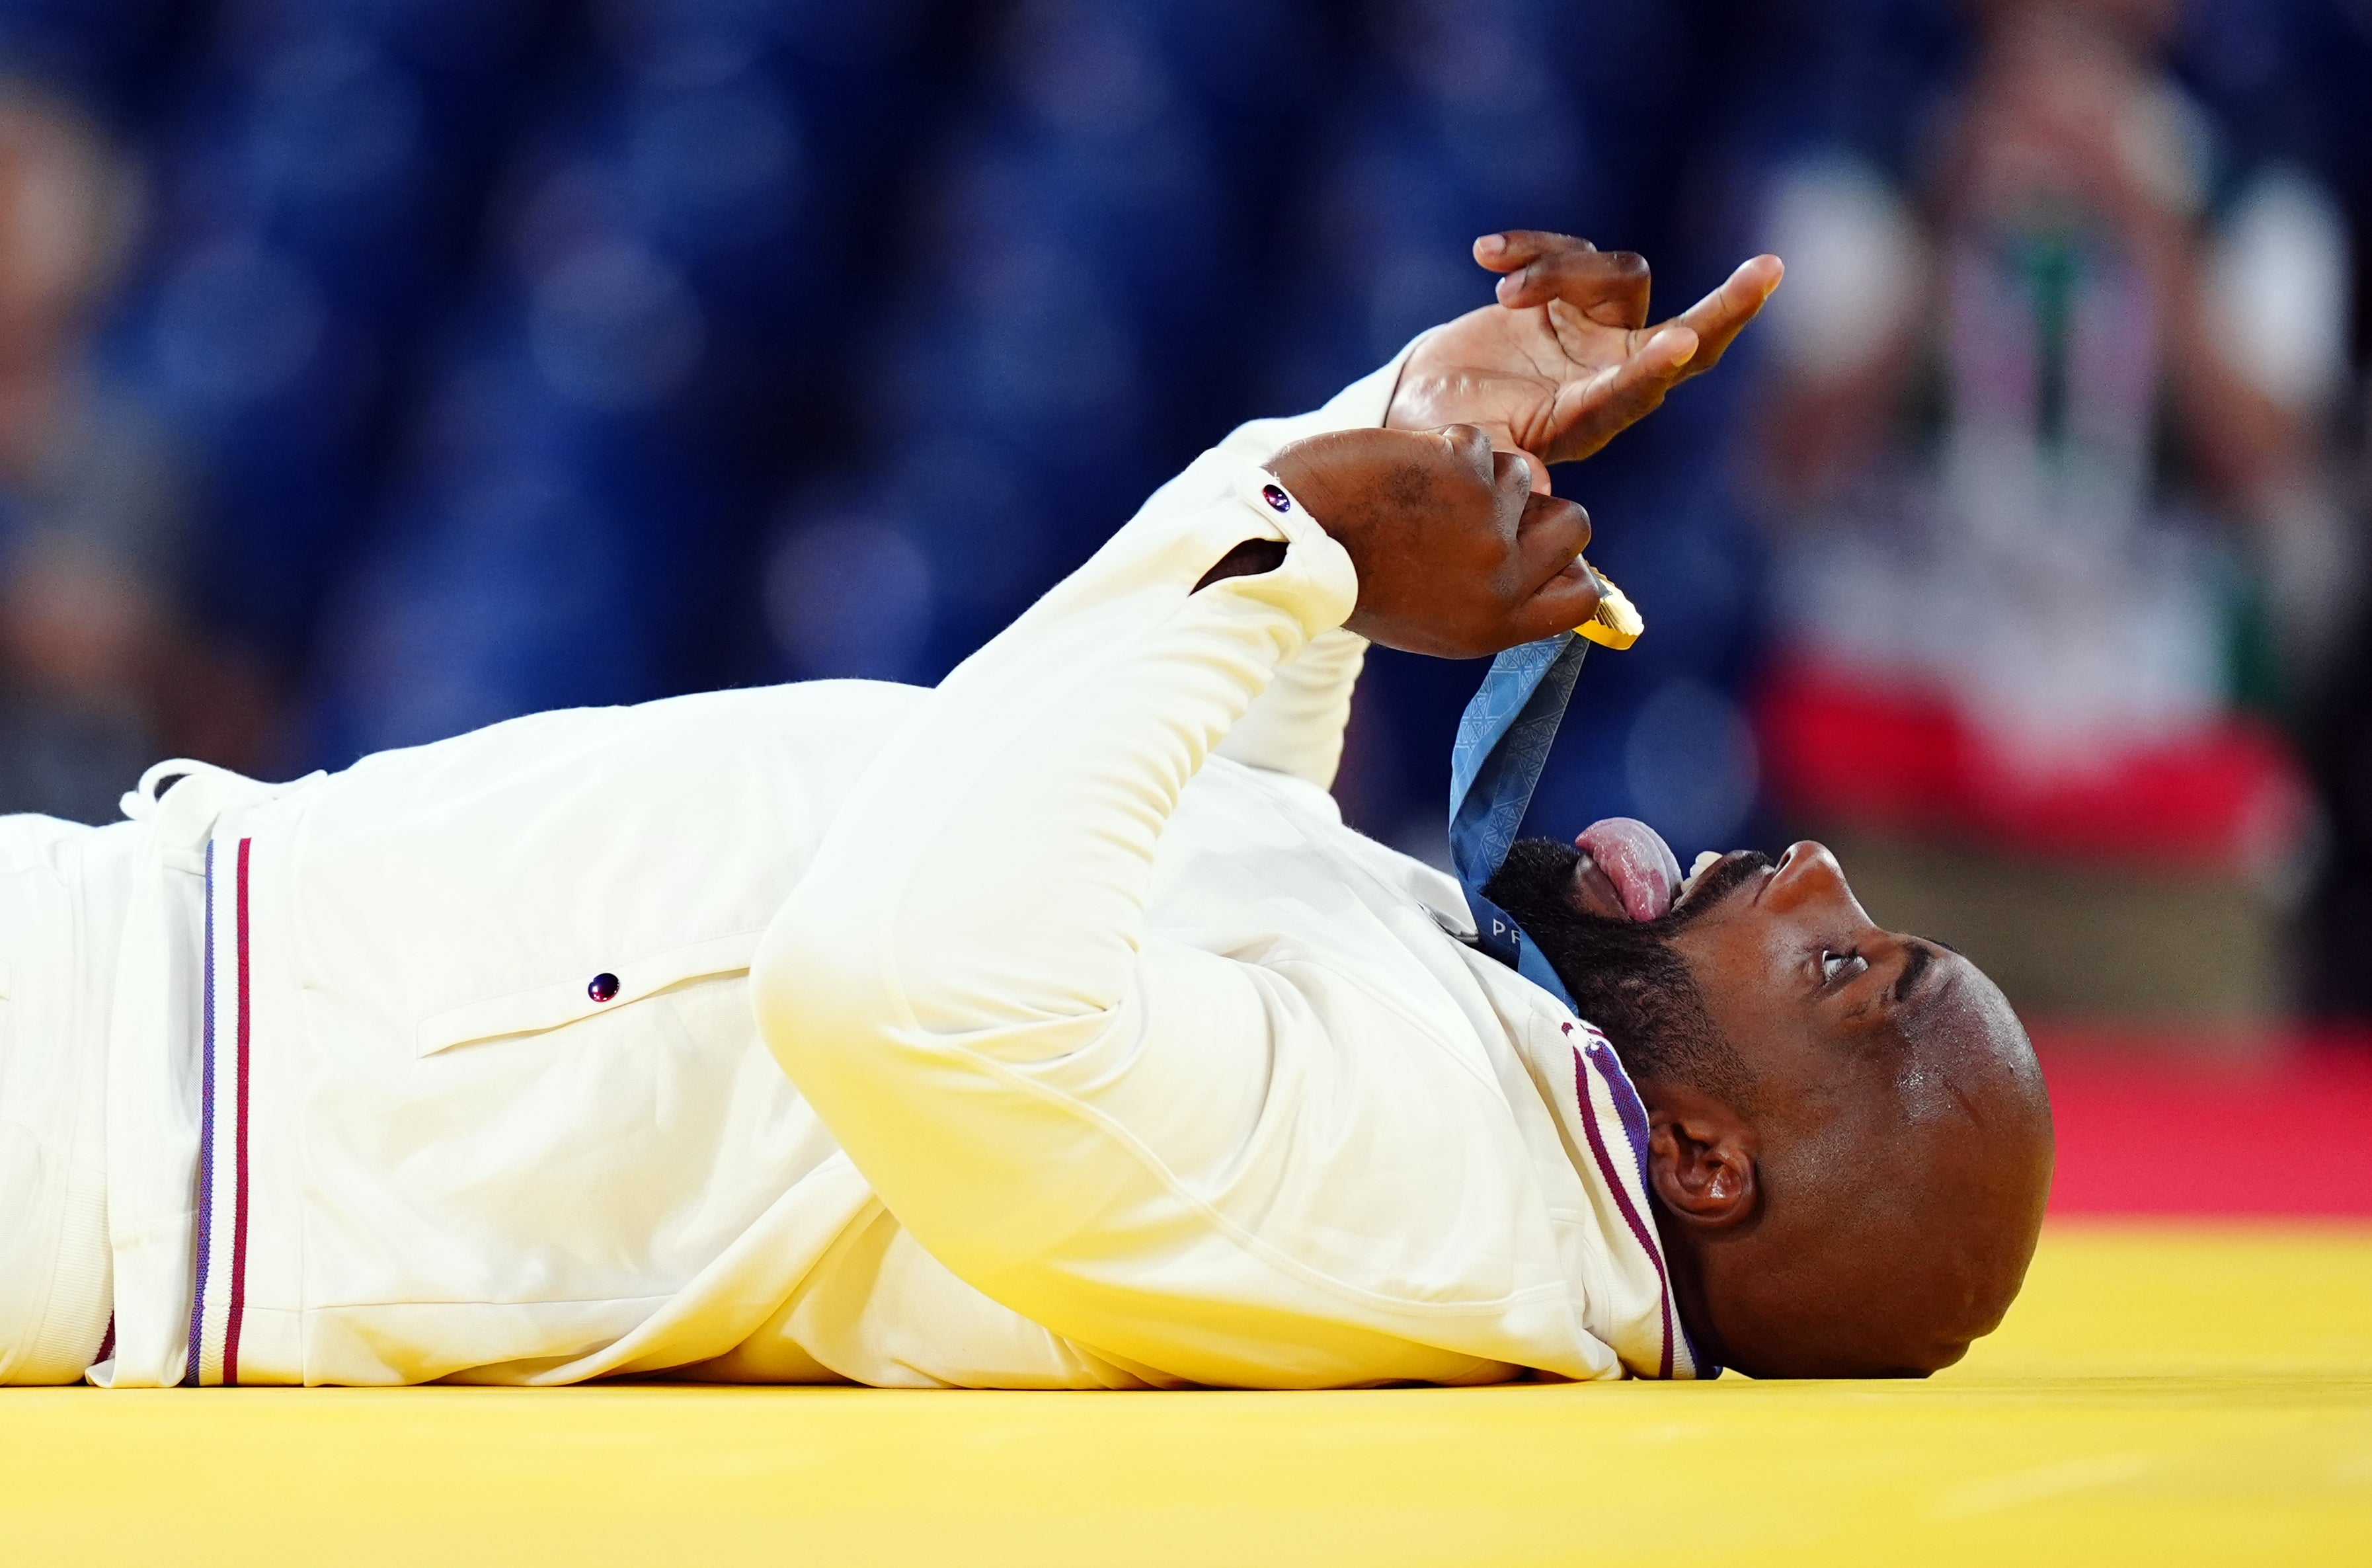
(598, 990)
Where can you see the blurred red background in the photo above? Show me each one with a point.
(2212, 1123)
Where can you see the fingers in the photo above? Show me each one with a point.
(1539, 469)
(1551, 533)
(1512, 248)
(1560, 593)
(1720, 316)
(1565, 601)
(1609, 288)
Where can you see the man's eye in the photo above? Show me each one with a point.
(1835, 967)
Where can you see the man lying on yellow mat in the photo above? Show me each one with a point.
(1044, 1029)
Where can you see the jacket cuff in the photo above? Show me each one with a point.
(1316, 581)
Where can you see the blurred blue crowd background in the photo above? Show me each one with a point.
(371, 370)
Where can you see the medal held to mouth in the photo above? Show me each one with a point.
(1618, 622)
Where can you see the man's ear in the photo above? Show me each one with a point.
(1701, 1159)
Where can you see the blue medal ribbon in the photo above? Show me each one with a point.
(1503, 744)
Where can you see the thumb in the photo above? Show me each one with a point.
(1593, 410)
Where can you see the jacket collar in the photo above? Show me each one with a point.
(1604, 1124)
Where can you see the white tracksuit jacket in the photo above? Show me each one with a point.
(1046, 1030)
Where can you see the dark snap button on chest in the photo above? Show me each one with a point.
(603, 987)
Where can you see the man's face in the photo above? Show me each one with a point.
(1872, 1088)
(1904, 1092)
(1769, 944)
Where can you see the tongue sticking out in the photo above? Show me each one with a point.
(1637, 861)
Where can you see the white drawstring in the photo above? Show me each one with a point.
(140, 804)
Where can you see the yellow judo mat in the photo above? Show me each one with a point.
(2161, 1395)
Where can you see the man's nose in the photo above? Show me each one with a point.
(1808, 872)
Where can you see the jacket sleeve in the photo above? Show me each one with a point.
(1296, 726)
(1119, 1134)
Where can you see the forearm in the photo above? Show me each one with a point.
(961, 983)
(991, 873)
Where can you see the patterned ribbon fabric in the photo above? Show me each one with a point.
(1502, 743)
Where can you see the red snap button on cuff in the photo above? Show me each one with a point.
(604, 986)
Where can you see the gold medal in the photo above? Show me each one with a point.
(1616, 624)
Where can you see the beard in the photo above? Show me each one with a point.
(1626, 978)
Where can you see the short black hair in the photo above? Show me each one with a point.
(1625, 976)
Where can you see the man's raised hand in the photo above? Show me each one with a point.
(1566, 361)
(1459, 554)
